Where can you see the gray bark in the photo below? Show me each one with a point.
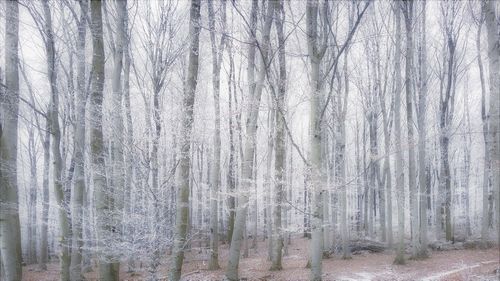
(280, 155)
(10, 233)
(79, 152)
(494, 110)
(118, 166)
(101, 191)
(185, 143)
(400, 258)
(316, 53)
(408, 15)
(421, 119)
(215, 178)
(64, 225)
(255, 92)
(484, 118)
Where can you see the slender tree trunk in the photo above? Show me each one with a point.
(400, 258)
(255, 89)
(10, 230)
(231, 204)
(494, 112)
(422, 160)
(79, 152)
(185, 160)
(63, 212)
(484, 118)
(43, 245)
(215, 181)
(408, 15)
(268, 184)
(32, 199)
(280, 155)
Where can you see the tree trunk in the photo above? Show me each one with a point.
(494, 112)
(316, 53)
(400, 258)
(484, 118)
(63, 211)
(101, 190)
(255, 92)
(280, 155)
(43, 245)
(408, 15)
(422, 160)
(79, 152)
(268, 183)
(10, 231)
(215, 182)
(185, 160)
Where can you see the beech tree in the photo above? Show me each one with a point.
(10, 230)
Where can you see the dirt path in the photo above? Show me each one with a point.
(447, 265)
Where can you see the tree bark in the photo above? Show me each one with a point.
(421, 119)
(408, 15)
(494, 110)
(215, 181)
(185, 143)
(79, 152)
(280, 155)
(101, 191)
(255, 92)
(10, 230)
(316, 53)
(400, 258)
(63, 211)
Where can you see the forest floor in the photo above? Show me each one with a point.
(442, 265)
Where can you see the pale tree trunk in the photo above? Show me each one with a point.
(129, 166)
(400, 258)
(467, 143)
(359, 192)
(268, 186)
(255, 92)
(64, 226)
(185, 143)
(280, 155)
(101, 191)
(374, 167)
(231, 176)
(408, 15)
(387, 176)
(117, 133)
(316, 53)
(494, 111)
(446, 108)
(43, 244)
(421, 119)
(341, 144)
(215, 181)
(484, 118)
(79, 152)
(32, 197)
(10, 232)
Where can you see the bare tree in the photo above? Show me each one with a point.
(185, 159)
(77, 196)
(494, 111)
(253, 102)
(400, 258)
(217, 53)
(10, 232)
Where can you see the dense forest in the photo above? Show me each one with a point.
(252, 140)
